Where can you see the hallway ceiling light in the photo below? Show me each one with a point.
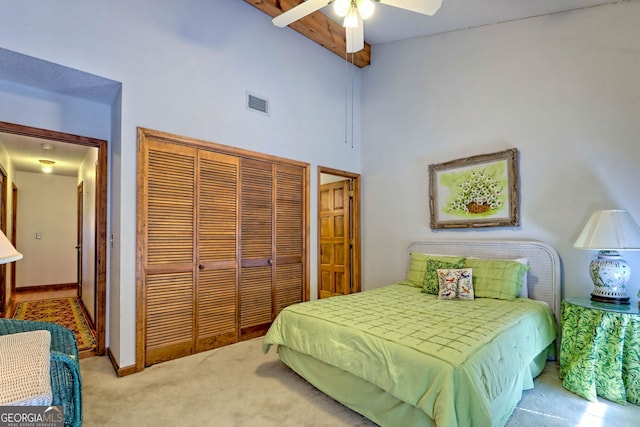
(46, 166)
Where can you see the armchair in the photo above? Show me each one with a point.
(66, 382)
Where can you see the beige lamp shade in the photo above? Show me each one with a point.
(7, 252)
(610, 230)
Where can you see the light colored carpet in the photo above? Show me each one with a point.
(239, 386)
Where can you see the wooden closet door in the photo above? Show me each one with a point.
(256, 234)
(169, 233)
(272, 248)
(289, 237)
(221, 244)
(217, 250)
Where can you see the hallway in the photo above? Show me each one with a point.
(50, 294)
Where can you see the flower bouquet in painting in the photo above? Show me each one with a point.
(479, 191)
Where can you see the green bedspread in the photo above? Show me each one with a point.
(451, 359)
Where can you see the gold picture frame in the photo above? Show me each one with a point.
(477, 191)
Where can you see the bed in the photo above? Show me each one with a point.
(403, 357)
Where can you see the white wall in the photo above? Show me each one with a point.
(185, 68)
(46, 205)
(562, 89)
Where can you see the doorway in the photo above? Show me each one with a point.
(338, 232)
(100, 248)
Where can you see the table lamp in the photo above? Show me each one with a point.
(609, 231)
(7, 252)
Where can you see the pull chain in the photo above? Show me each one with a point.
(352, 103)
(348, 85)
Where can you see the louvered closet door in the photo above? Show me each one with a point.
(169, 259)
(289, 236)
(256, 234)
(272, 242)
(217, 275)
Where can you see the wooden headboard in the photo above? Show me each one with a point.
(543, 278)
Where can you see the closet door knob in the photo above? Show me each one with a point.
(270, 262)
(201, 266)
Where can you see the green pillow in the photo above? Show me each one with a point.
(494, 278)
(418, 266)
(431, 284)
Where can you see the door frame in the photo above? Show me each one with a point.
(4, 301)
(14, 232)
(79, 234)
(101, 213)
(354, 212)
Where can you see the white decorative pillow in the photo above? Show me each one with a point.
(465, 284)
(455, 283)
(25, 369)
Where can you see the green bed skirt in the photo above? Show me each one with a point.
(385, 409)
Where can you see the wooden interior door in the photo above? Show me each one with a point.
(334, 213)
(217, 250)
(169, 268)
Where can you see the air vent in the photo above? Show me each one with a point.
(258, 104)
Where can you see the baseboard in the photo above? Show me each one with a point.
(47, 288)
(120, 372)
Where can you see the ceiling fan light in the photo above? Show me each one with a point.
(366, 8)
(351, 20)
(341, 7)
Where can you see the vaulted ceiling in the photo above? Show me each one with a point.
(318, 27)
(391, 24)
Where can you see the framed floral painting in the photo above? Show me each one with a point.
(477, 191)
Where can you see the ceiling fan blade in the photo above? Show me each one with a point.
(426, 7)
(355, 37)
(300, 11)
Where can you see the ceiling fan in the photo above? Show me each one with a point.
(354, 13)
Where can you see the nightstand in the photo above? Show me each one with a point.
(600, 350)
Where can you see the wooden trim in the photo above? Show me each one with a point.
(356, 264)
(101, 213)
(14, 228)
(141, 244)
(3, 227)
(319, 28)
(307, 233)
(50, 134)
(120, 372)
(213, 146)
(47, 288)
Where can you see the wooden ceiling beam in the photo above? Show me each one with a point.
(317, 27)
